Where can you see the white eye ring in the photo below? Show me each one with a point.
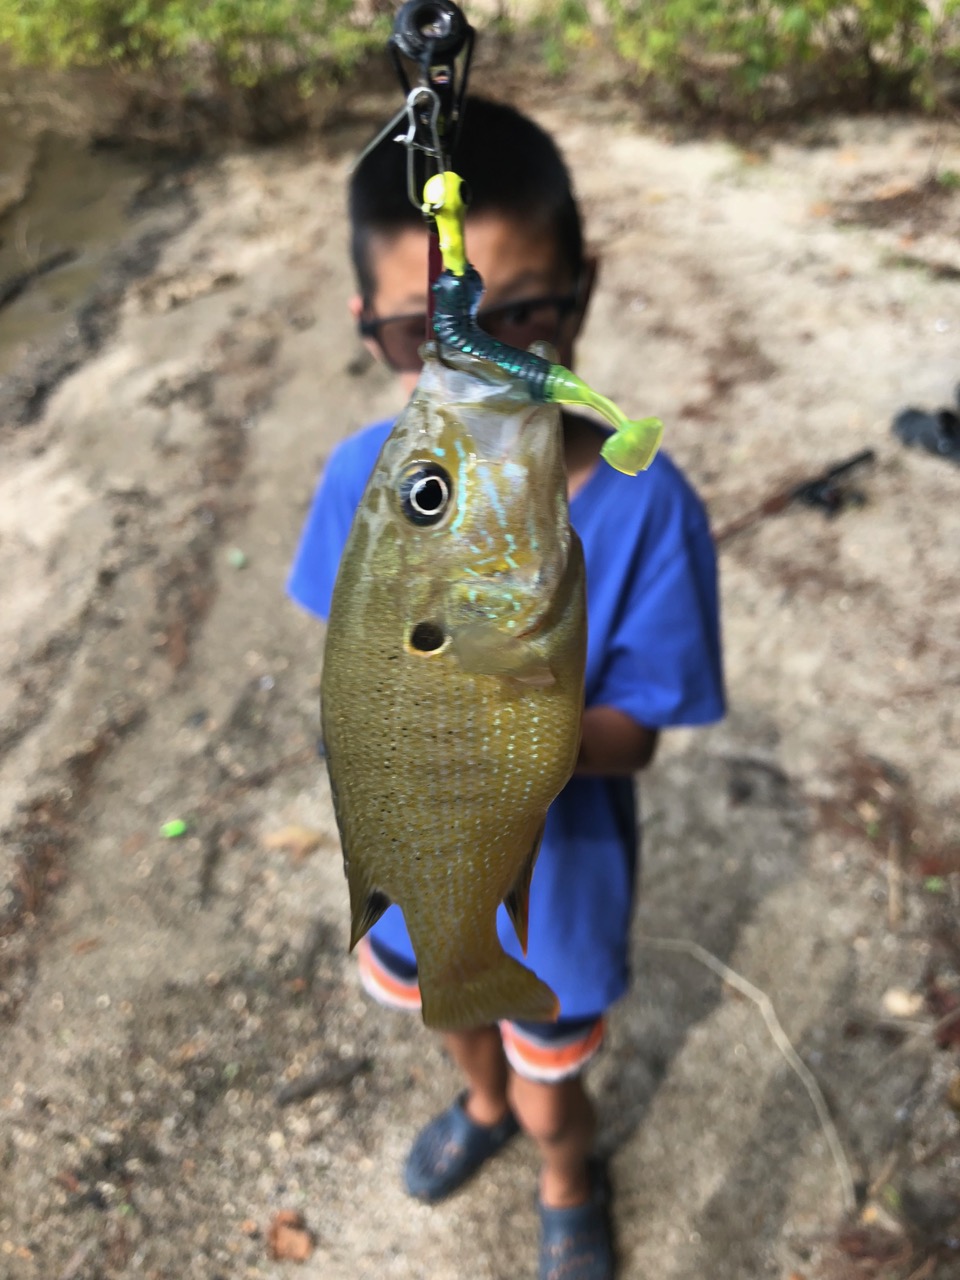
(425, 491)
(419, 488)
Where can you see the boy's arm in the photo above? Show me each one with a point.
(613, 743)
(662, 661)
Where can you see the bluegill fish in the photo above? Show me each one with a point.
(453, 682)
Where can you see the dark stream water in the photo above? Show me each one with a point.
(63, 208)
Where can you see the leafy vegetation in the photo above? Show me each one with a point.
(250, 66)
(252, 61)
(249, 40)
(755, 57)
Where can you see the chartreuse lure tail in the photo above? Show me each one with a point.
(457, 294)
(635, 444)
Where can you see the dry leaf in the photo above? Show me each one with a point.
(177, 644)
(288, 1238)
(894, 190)
(872, 1244)
(944, 1003)
(297, 841)
(84, 945)
(948, 1035)
(953, 1095)
(187, 1051)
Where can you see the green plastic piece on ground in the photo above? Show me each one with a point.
(174, 829)
(935, 884)
(236, 558)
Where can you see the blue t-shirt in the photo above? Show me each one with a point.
(653, 651)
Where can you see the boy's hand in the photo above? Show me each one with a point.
(613, 743)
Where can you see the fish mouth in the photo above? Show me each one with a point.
(427, 639)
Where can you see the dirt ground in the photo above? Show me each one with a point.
(186, 1049)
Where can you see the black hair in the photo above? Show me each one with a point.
(510, 165)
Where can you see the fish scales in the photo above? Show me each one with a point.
(453, 682)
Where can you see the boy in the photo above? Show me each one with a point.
(653, 661)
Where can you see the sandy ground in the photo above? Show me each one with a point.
(775, 306)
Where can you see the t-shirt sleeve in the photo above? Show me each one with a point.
(663, 662)
(325, 533)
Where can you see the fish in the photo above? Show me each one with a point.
(452, 683)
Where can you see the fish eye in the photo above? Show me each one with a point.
(425, 490)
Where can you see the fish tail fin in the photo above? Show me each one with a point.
(505, 989)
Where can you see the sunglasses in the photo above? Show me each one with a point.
(516, 323)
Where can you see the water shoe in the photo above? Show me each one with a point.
(450, 1149)
(577, 1243)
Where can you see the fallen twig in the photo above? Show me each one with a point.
(335, 1077)
(946, 1023)
(921, 1035)
(925, 1270)
(12, 288)
(884, 1175)
(895, 881)
(234, 787)
(781, 1040)
(927, 1157)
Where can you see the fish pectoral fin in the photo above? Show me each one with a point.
(366, 908)
(517, 900)
(484, 650)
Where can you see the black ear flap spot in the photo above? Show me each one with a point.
(427, 637)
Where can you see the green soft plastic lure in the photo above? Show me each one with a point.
(457, 294)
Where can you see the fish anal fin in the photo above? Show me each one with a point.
(366, 908)
(483, 649)
(517, 900)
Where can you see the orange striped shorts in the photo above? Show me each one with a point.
(542, 1051)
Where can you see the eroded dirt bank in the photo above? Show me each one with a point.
(776, 307)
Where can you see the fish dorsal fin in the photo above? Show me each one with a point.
(517, 900)
(366, 908)
(483, 649)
